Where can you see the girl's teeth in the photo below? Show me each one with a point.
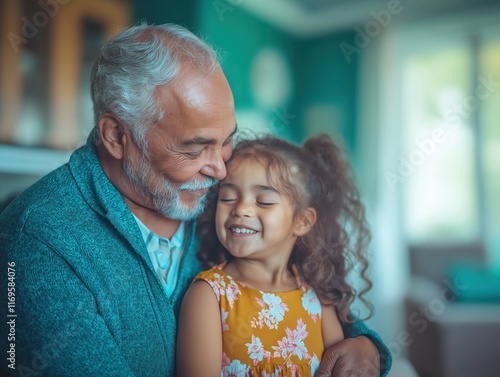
(243, 230)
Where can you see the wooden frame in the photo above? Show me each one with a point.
(65, 65)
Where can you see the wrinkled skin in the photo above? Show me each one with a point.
(356, 357)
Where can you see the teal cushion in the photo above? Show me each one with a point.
(476, 283)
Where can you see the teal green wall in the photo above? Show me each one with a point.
(163, 11)
(323, 76)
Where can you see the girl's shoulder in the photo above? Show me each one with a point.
(223, 285)
(212, 273)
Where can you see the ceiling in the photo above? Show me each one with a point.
(307, 18)
(310, 18)
(319, 5)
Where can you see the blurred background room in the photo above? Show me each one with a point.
(411, 88)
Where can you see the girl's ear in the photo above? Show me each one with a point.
(305, 221)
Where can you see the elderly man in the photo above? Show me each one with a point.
(100, 251)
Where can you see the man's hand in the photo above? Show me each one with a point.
(355, 357)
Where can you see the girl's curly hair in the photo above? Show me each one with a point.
(317, 176)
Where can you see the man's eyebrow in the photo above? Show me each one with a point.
(200, 140)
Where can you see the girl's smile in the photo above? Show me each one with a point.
(254, 219)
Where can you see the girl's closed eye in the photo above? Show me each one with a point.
(265, 203)
(268, 198)
(227, 199)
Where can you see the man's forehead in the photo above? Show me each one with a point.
(196, 89)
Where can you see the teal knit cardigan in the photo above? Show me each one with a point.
(87, 299)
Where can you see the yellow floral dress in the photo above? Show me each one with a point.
(266, 333)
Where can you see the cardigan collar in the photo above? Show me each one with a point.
(103, 197)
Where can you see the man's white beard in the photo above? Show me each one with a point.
(165, 200)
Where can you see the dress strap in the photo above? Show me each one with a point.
(298, 279)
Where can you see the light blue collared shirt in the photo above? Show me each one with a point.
(165, 254)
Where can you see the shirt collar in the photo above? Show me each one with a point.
(176, 240)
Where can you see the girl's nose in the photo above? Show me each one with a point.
(242, 209)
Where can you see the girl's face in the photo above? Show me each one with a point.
(254, 220)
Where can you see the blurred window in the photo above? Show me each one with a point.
(450, 161)
(489, 117)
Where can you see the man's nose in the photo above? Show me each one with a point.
(215, 167)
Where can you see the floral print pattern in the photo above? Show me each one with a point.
(256, 350)
(236, 369)
(266, 334)
(311, 304)
(222, 288)
(293, 343)
(223, 318)
(273, 310)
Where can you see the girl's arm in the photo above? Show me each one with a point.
(199, 338)
(330, 326)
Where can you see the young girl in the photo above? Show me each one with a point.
(290, 227)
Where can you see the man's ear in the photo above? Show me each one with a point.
(305, 221)
(111, 135)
